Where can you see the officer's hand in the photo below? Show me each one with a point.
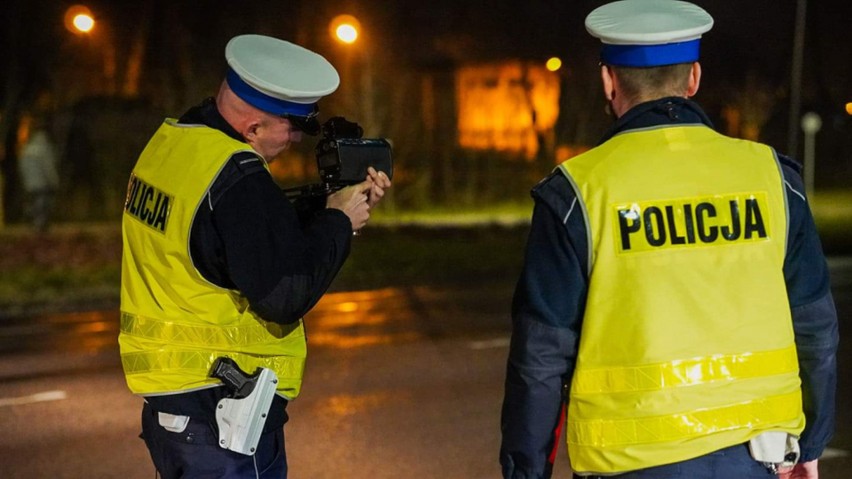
(380, 183)
(803, 470)
(352, 201)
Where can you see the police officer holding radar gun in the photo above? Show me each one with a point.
(673, 311)
(219, 267)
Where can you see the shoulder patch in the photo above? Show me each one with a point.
(247, 162)
(239, 166)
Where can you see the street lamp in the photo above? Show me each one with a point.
(84, 23)
(345, 28)
(79, 19)
(811, 123)
(347, 33)
(796, 76)
(553, 64)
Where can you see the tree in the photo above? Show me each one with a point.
(12, 93)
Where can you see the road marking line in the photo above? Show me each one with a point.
(831, 453)
(489, 343)
(33, 398)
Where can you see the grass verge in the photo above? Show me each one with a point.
(78, 266)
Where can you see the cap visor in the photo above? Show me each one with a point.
(310, 126)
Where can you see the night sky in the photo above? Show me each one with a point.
(749, 36)
(749, 49)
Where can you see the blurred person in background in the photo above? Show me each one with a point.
(218, 264)
(674, 310)
(38, 167)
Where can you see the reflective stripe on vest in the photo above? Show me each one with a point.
(687, 372)
(213, 337)
(649, 430)
(208, 335)
(201, 362)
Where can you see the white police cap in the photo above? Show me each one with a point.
(649, 33)
(278, 77)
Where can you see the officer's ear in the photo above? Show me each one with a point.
(607, 82)
(250, 130)
(694, 80)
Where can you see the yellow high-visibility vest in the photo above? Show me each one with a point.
(687, 342)
(174, 323)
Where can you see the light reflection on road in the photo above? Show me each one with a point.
(343, 320)
(361, 318)
(87, 331)
(344, 405)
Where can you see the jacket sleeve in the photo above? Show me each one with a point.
(281, 264)
(814, 319)
(546, 311)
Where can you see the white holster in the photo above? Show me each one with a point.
(241, 421)
(775, 449)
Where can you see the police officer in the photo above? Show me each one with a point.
(218, 263)
(675, 285)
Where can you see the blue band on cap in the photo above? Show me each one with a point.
(264, 102)
(650, 55)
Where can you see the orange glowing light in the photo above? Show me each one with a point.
(84, 23)
(504, 106)
(347, 33)
(345, 28)
(348, 307)
(79, 19)
(849, 108)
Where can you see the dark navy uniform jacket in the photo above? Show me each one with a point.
(549, 301)
(248, 237)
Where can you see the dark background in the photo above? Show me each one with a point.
(107, 91)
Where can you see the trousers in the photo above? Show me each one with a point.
(729, 463)
(194, 453)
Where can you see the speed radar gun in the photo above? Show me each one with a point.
(241, 416)
(343, 157)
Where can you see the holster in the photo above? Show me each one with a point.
(775, 449)
(241, 418)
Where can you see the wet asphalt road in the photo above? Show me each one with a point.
(399, 383)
